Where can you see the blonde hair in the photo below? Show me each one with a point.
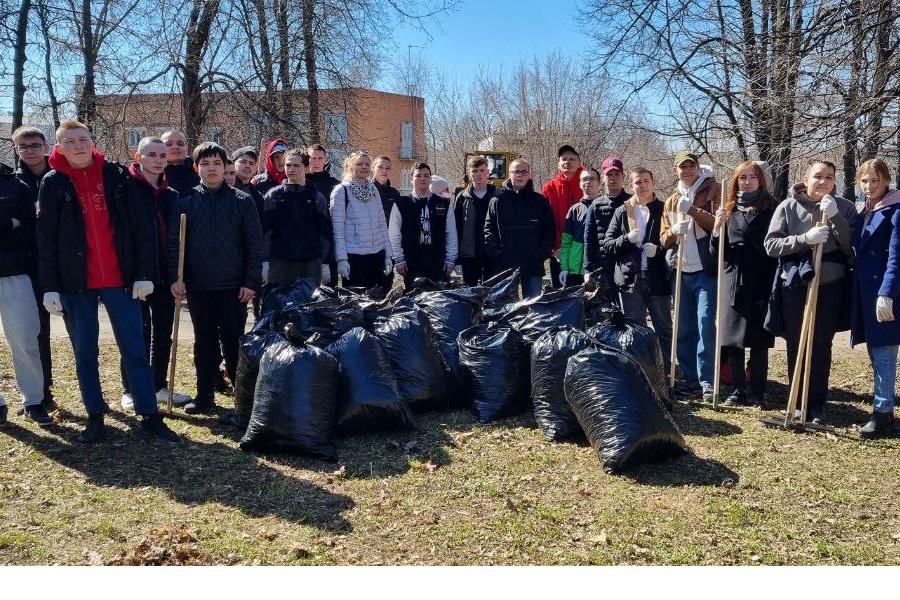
(66, 125)
(352, 160)
(877, 166)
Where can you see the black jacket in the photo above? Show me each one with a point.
(30, 179)
(224, 240)
(62, 247)
(182, 178)
(18, 246)
(628, 255)
(519, 229)
(299, 223)
(263, 183)
(322, 181)
(596, 222)
(162, 202)
(465, 199)
(389, 196)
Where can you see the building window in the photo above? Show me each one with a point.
(406, 141)
(134, 136)
(335, 128)
(214, 135)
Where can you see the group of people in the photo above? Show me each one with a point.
(80, 229)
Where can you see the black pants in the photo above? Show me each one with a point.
(219, 318)
(475, 269)
(827, 313)
(555, 269)
(428, 263)
(759, 368)
(44, 341)
(157, 316)
(366, 270)
(574, 279)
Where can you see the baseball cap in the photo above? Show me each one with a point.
(279, 147)
(686, 155)
(566, 148)
(612, 163)
(245, 150)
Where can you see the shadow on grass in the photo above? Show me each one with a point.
(686, 469)
(192, 472)
(842, 409)
(691, 423)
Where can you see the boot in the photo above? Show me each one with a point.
(878, 425)
(737, 398)
(94, 431)
(155, 426)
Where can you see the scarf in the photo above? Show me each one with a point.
(363, 192)
(746, 202)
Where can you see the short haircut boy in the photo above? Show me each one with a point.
(299, 152)
(315, 147)
(209, 150)
(67, 125)
(642, 170)
(27, 131)
(476, 161)
(418, 167)
(146, 141)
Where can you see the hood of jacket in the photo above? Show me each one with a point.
(705, 173)
(135, 170)
(271, 170)
(60, 163)
(890, 198)
(798, 193)
(507, 185)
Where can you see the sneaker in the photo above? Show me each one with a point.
(49, 404)
(127, 401)
(816, 415)
(200, 407)
(155, 426)
(3, 415)
(95, 430)
(878, 425)
(708, 392)
(687, 389)
(177, 399)
(737, 398)
(37, 414)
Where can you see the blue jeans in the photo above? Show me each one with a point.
(531, 286)
(884, 363)
(637, 303)
(80, 313)
(695, 347)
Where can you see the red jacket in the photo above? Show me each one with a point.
(103, 269)
(563, 194)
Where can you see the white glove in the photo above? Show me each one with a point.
(141, 289)
(53, 304)
(828, 205)
(884, 309)
(817, 235)
(648, 250)
(562, 277)
(388, 266)
(326, 275)
(265, 271)
(681, 227)
(458, 270)
(685, 204)
(344, 268)
(634, 236)
(587, 277)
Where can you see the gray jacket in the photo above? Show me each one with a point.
(798, 214)
(359, 227)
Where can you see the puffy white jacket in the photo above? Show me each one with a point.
(359, 227)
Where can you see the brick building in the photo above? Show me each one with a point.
(352, 118)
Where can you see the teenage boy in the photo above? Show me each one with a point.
(18, 307)
(245, 160)
(180, 172)
(562, 192)
(519, 228)
(148, 171)
(571, 253)
(598, 217)
(95, 241)
(319, 175)
(470, 213)
(31, 148)
(296, 216)
(222, 263)
(688, 218)
(382, 168)
(422, 231)
(230, 174)
(640, 272)
(274, 173)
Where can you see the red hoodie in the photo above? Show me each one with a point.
(271, 169)
(563, 194)
(103, 269)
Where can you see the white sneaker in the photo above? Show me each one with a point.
(177, 399)
(127, 402)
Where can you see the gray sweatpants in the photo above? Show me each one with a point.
(21, 325)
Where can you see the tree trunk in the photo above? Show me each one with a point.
(19, 65)
(87, 103)
(200, 21)
(284, 67)
(309, 59)
(48, 72)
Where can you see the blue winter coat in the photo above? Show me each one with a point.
(876, 245)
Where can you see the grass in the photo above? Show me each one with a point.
(454, 492)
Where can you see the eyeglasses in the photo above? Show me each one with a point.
(521, 172)
(29, 147)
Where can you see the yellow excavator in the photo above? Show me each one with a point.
(498, 165)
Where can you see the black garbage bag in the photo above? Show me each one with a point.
(296, 396)
(642, 344)
(320, 323)
(369, 397)
(495, 367)
(252, 347)
(549, 357)
(534, 316)
(599, 303)
(503, 290)
(414, 352)
(617, 408)
(276, 298)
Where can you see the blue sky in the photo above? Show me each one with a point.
(520, 29)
